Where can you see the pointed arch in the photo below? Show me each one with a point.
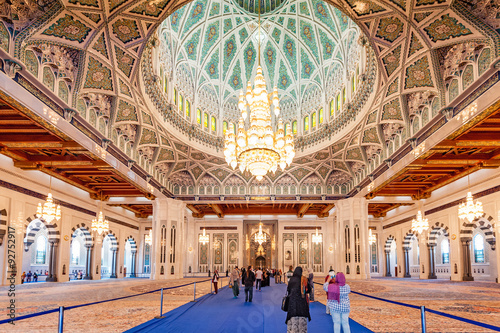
(485, 223)
(34, 225)
(407, 240)
(88, 240)
(388, 242)
(112, 238)
(133, 244)
(437, 230)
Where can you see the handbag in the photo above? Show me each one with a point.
(284, 302)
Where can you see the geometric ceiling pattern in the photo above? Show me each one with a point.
(86, 56)
(307, 49)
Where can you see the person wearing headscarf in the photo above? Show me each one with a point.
(338, 302)
(330, 278)
(298, 308)
(310, 280)
(215, 281)
(234, 281)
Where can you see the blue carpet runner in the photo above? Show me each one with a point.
(223, 313)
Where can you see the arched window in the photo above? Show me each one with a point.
(294, 127)
(213, 124)
(332, 108)
(175, 96)
(41, 250)
(224, 126)
(306, 124)
(344, 96)
(478, 249)
(75, 252)
(198, 116)
(320, 120)
(313, 119)
(188, 109)
(353, 84)
(205, 120)
(181, 103)
(445, 251)
(165, 86)
(338, 104)
(287, 129)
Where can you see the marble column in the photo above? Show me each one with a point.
(432, 261)
(88, 264)
(132, 269)
(466, 261)
(113, 265)
(388, 263)
(52, 275)
(407, 262)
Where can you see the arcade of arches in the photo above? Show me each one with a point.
(393, 106)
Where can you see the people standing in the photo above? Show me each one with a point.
(258, 279)
(234, 278)
(215, 281)
(289, 274)
(338, 302)
(23, 276)
(243, 276)
(276, 276)
(280, 276)
(249, 280)
(35, 277)
(298, 308)
(330, 278)
(310, 280)
(28, 276)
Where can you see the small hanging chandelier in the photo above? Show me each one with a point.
(317, 238)
(371, 238)
(149, 237)
(203, 239)
(49, 212)
(260, 237)
(470, 210)
(100, 224)
(419, 224)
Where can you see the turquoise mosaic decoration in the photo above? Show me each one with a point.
(392, 111)
(445, 28)
(418, 74)
(392, 60)
(126, 30)
(98, 76)
(69, 28)
(390, 28)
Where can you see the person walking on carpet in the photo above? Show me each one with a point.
(234, 281)
(215, 281)
(258, 279)
(249, 280)
(338, 302)
(298, 308)
(310, 280)
(289, 274)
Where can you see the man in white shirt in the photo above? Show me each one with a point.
(258, 279)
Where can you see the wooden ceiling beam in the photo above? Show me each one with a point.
(325, 212)
(195, 211)
(303, 209)
(467, 144)
(217, 210)
(70, 145)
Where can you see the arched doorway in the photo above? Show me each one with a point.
(391, 260)
(129, 258)
(260, 261)
(108, 256)
(80, 255)
(260, 254)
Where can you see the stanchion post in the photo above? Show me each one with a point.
(194, 292)
(61, 319)
(422, 316)
(161, 306)
(211, 286)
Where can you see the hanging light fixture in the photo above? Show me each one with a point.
(468, 209)
(203, 239)
(149, 237)
(317, 238)
(419, 224)
(49, 212)
(260, 237)
(372, 238)
(259, 149)
(100, 224)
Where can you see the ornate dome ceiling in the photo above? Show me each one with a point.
(209, 50)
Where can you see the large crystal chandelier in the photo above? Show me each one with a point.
(203, 239)
(317, 238)
(260, 237)
(259, 149)
(148, 239)
(419, 224)
(49, 212)
(470, 210)
(100, 224)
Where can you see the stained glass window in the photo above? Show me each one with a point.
(205, 120)
(321, 115)
(181, 103)
(188, 109)
(165, 85)
(175, 96)
(344, 96)
(353, 80)
(339, 106)
(224, 126)
(198, 116)
(313, 119)
(213, 124)
(332, 108)
(306, 123)
(294, 127)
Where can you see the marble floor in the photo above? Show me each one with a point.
(479, 301)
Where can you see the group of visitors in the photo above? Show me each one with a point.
(30, 277)
(300, 292)
(78, 275)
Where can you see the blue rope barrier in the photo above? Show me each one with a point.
(444, 314)
(36, 314)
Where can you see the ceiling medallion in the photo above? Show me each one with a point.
(259, 149)
(419, 224)
(49, 212)
(260, 237)
(317, 238)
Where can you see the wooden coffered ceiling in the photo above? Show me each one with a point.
(381, 209)
(35, 144)
(140, 210)
(474, 146)
(298, 209)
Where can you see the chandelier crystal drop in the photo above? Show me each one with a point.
(470, 210)
(260, 237)
(372, 238)
(419, 224)
(149, 237)
(317, 238)
(203, 239)
(100, 224)
(49, 212)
